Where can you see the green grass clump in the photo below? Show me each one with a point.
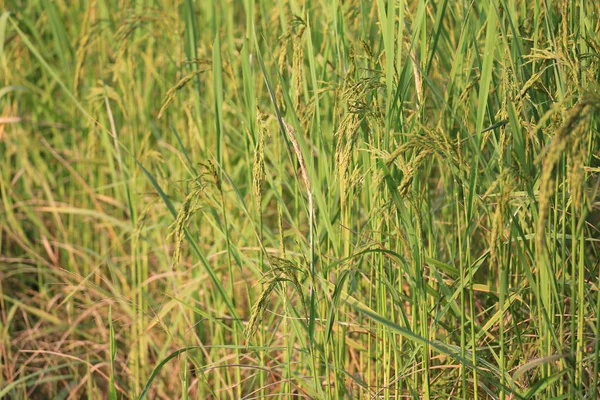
(300, 199)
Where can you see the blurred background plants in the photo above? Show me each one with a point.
(249, 199)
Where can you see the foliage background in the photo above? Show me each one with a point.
(249, 199)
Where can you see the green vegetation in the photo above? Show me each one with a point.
(300, 199)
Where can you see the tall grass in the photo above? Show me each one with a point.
(300, 199)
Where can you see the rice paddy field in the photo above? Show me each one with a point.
(272, 199)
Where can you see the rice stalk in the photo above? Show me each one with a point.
(170, 96)
(258, 171)
(568, 136)
(190, 205)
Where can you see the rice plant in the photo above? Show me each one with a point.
(300, 199)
